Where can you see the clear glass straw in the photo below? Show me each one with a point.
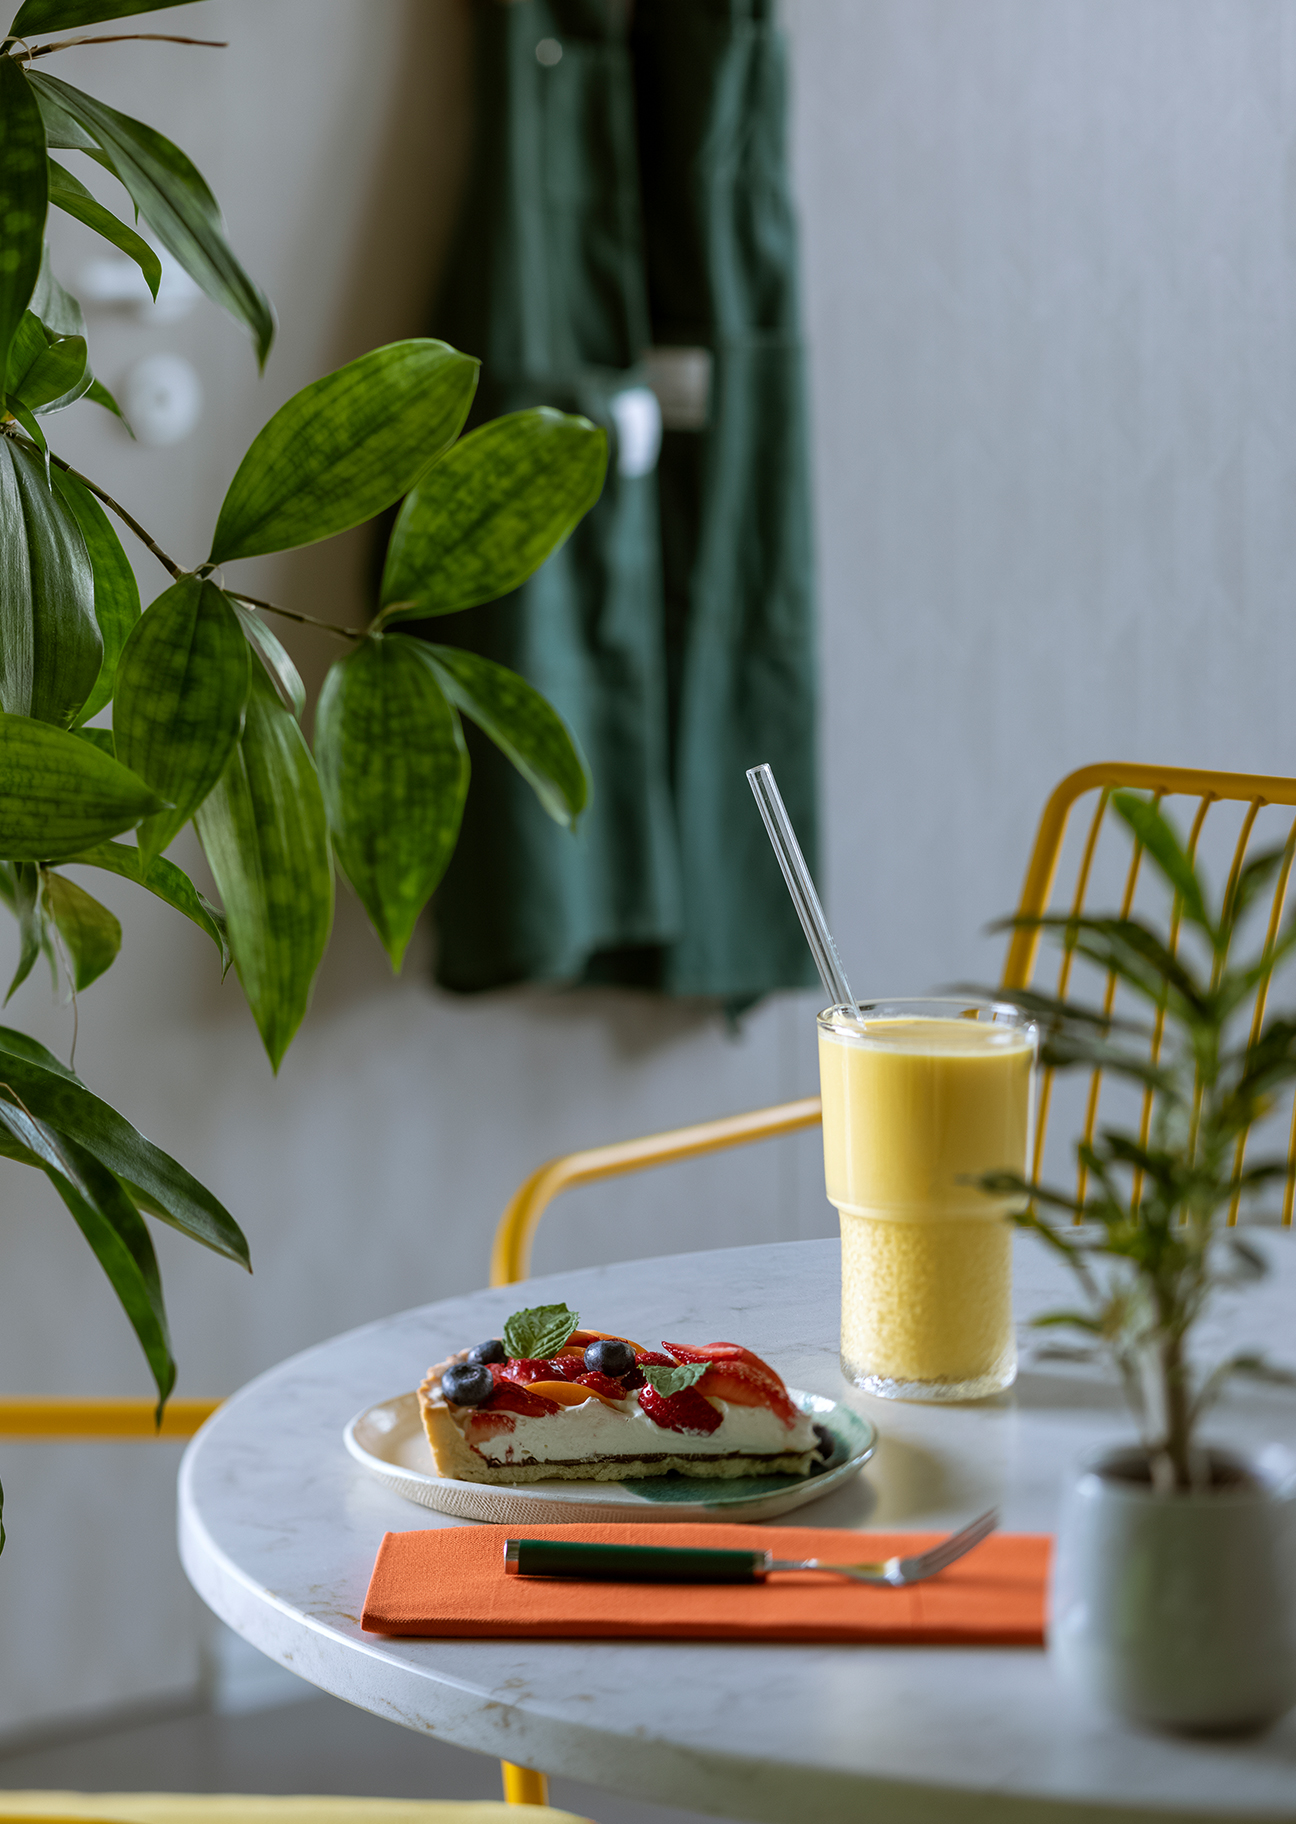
(799, 884)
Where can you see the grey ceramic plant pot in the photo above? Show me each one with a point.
(1179, 1610)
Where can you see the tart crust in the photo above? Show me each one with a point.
(456, 1459)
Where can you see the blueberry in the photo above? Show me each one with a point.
(468, 1384)
(608, 1356)
(493, 1351)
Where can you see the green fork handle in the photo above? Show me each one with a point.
(631, 1563)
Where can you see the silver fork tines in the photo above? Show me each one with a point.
(901, 1571)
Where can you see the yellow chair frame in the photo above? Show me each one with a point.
(66, 1419)
(511, 1255)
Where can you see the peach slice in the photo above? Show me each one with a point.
(568, 1393)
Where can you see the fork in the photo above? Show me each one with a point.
(575, 1558)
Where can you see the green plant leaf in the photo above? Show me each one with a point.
(59, 795)
(31, 923)
(1159, 839)
(175, 202)
(100, 738)
(394, 771)
(24, 199)
(91, 934)
(182, 682)
(45, 369)
(491, 511)
(68, 193)
(97, 393)
(62, 133)
(154, 1180)
(117, 1233)
(539, 1331)
(162, 878)
(345, 447)
(61, 15)
(265, 836)
(116, 593)
(50, 645)
(31, 426)
(272, 655)
(524, 727)
(57, 309)
(667, 1381)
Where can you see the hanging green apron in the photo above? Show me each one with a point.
(629, 190)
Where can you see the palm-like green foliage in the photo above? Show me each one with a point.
(1148, 1240)
(206, 704)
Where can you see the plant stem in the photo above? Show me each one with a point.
(306, 620)
(167, 563)
(1178, 1412)
(66, 44)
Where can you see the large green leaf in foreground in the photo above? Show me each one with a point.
(116, 593)
(491, 511)
(24, 197)
(63, 15)
(91, 933)
(182, 681)
(70, 194)
(265, 835)
(173, 199)
(345, 447)
(524, 727)
(394, 770)
(165, 881)
(58, 794)
(50, 1091)
(50, 645)
(111, 1224)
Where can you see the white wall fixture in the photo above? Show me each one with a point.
(162, 398)
(117, 281)
(638, 420)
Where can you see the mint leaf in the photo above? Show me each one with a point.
(667, 1381)
(540, 1331)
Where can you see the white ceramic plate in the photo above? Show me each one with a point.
(388, 1440)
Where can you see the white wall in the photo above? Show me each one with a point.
(1048, 279)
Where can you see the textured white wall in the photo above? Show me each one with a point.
(1048, 280)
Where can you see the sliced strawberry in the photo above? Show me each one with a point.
(653, 1358)
(719, 1352)
(688, 1412)
(511, 1396)
(741, 1385)
(488, 1425)
(534, 1369)
(603, 1385)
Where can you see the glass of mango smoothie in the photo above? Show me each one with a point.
(920, 1097)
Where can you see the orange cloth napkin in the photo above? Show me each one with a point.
(450, 1581)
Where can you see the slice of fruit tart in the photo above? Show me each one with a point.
(549, 1401)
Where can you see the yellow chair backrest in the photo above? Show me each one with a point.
(511, 1256)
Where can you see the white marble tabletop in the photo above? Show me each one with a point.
(279, 1527)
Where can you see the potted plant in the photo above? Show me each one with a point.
(205, 703)
(1174, 1593)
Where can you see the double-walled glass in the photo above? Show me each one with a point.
(921, 1098)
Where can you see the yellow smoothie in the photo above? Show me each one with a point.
(912, 1108)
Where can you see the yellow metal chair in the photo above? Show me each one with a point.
(511, 1256)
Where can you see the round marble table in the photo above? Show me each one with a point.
(278, 1530)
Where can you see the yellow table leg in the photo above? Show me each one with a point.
(523, 1785)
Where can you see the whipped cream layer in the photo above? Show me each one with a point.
(594, 1429)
